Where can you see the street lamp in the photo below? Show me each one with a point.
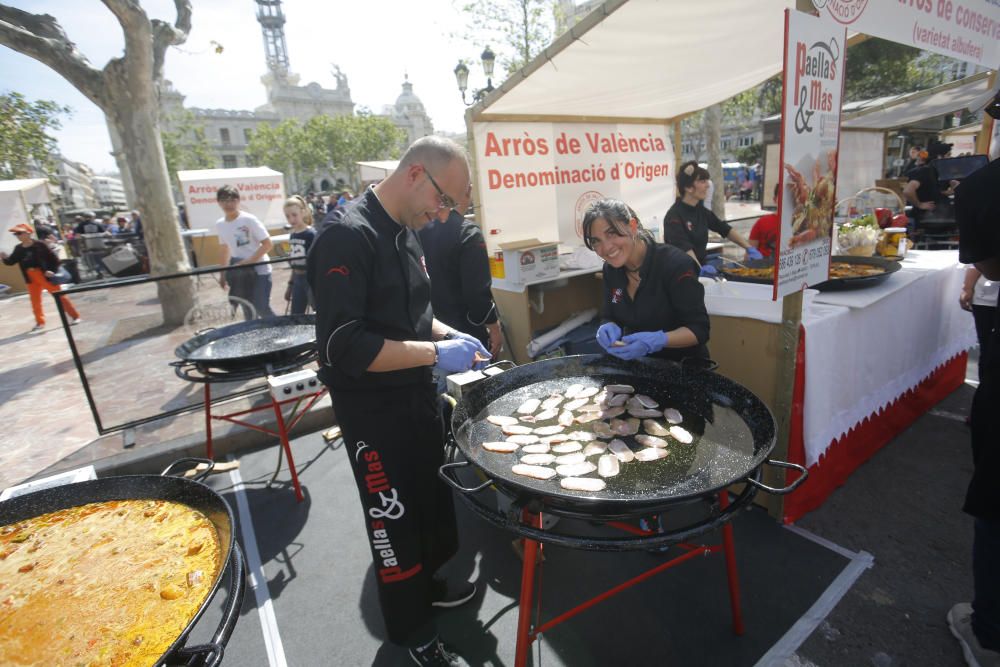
(462, 77)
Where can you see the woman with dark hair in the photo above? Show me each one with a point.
(688, 221)
(652, 293)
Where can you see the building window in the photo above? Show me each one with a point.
(727, 143)
(228, 161)
(746, 140)
(224, 135)
(247, 134)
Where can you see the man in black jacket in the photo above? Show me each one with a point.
(977, 625)
(378, 341)
(459, 268)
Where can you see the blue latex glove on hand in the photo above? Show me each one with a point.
(640, 344)
(608, 333)
(483, 352)
(708, 271)
(753, 253)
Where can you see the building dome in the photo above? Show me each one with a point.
(407, 102)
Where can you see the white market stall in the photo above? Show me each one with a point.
(863, 129)
(262, 193)
(632, 69)
(373, 171)
(16, 199)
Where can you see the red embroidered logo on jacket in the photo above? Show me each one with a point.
(342, 270)
(616, 295)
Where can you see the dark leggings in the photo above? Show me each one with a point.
(984, 316)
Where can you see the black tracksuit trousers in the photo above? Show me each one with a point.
(393, 438)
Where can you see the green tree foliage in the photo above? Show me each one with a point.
(878, 67)
(25, 139)
(325, 144)
(751, 154)
(517, 30)
(283, 147)
(184, 144)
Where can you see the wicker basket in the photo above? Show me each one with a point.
(863, 202)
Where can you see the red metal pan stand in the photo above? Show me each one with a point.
(284, 425)
(527, 632)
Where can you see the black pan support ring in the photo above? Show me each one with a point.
(513, 520)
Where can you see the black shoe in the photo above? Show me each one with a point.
(454, 595)
(436, 654)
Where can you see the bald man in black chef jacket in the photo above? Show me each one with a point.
(378, 342)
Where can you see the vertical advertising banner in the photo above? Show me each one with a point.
(536, 180)
(810, 135)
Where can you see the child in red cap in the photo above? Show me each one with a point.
(38, 263)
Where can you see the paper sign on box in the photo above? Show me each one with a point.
(523, 261)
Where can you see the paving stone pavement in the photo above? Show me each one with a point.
(125, 349)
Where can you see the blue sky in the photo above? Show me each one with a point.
(373, 50)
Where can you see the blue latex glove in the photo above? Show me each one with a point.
(483, 352)
(708, 271)
(640, 344)
(753, 253)
(608, 333)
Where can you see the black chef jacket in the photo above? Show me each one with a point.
(928, 190)
(36, 256)
(669, 296)
(369, 280)
(977, 201)
(459, 268)
(686, 227)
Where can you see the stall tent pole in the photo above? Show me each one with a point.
(788, 337)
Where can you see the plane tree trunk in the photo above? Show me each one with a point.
(127, 91)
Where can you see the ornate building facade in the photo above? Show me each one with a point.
(228, 131)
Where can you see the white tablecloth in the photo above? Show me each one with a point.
(865, 358)
(863, 351)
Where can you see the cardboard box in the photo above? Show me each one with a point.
(524, 261)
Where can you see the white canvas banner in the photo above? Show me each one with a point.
(965, 29)
(813, 87)
(859, 163)
(262, 193)
(536, 180)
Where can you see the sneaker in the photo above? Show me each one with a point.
(38, 327)
(454, 595)
(76, 320)
(436, 654)
(960, 622)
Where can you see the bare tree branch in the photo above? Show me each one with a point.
(40, 36)
(165, 35)
(138, 36)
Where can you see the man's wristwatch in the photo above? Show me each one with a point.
(435, 362)
(451, 335)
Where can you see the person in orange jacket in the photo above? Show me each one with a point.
(38, 264)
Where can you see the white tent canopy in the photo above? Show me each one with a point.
(376, 170)
(647, 59)
(900, 110)
(16, 199)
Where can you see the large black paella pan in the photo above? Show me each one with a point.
(733, 434)
(288, 340)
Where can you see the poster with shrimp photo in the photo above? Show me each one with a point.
(810, 137)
